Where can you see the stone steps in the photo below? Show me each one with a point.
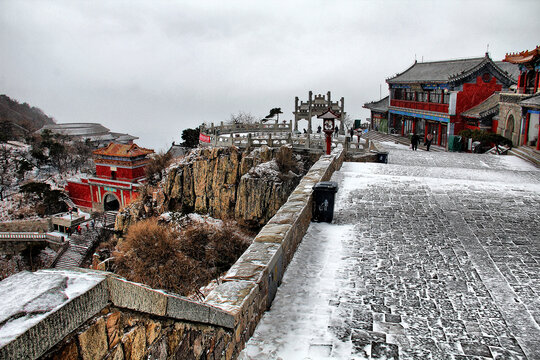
(79, 246)
(526, 154)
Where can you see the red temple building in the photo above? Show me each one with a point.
(520, 110)
(120, 170)
(430, 97)
(379, 114)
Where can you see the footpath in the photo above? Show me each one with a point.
(434, 255)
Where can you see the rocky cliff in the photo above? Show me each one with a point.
(226, 183)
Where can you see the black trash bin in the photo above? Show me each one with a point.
(323, 201)
(382, 157)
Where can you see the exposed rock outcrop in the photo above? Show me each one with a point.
(225, 182)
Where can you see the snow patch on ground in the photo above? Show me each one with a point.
(393, 145)
(308, 285)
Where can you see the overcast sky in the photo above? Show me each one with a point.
(154, 68)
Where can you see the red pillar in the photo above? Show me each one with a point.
(439, 134)
(328, 143)
(414, 126)
(519, 82)
(536, 82)
(538, 140)
(402, 127)
(526, 132)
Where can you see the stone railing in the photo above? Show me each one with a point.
(16, 242)
(270, 126)
(315, 142)
(82, 314)
(28, 236)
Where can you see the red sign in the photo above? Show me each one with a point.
(204, 138)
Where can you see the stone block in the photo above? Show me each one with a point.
(48, 330)
(232, 296)
(153, 330)
(254, 262)
(137, 297)
(134, 343)
(114, 328)
(184, 309)
(93, 341)
(68, 352)
(117, 353)
(272, 233)
(243, 270)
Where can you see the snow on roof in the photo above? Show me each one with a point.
(380, 105)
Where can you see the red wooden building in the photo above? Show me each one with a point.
(520, 110)
(429, 97)
(120, 169)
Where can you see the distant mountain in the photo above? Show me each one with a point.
(17, 120)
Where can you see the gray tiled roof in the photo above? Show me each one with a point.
(445, 71)
(77, 129)
(490, 105)
(511, 69)
(91, 131)
(533, 101)
(437, 71)
(380, 106)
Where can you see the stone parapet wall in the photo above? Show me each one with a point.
(250, 285)
(39, 225)
(71, 303)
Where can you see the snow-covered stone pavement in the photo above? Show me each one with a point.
(432, 256)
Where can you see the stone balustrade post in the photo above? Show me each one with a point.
(249, 140)
(308, 141)
(270, 141)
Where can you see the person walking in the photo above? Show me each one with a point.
(414, 142)
(429, 139)
(352, 133)
(336, 131)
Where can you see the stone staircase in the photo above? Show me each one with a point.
(526, 153)
(110, 218)
(79, 245)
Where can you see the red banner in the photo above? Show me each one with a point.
(204, 138)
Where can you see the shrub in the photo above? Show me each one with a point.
(150, 254)
(156, 167)
(182, 262)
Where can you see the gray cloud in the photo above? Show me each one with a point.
(153, 68)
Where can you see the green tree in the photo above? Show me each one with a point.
(190, 137)
(274, 112)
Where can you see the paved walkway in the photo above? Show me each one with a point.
(432, 256)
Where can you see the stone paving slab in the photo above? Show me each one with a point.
(433, 256)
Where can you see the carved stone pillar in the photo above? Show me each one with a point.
(310, 104)
(296, 109)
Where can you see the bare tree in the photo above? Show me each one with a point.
(7, 176)
(242, 118)
(347, 121)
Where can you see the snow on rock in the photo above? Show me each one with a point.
(28, 297)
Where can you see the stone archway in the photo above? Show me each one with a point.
(111, 202)
(509, 128)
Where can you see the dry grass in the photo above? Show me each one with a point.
(178, 261)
